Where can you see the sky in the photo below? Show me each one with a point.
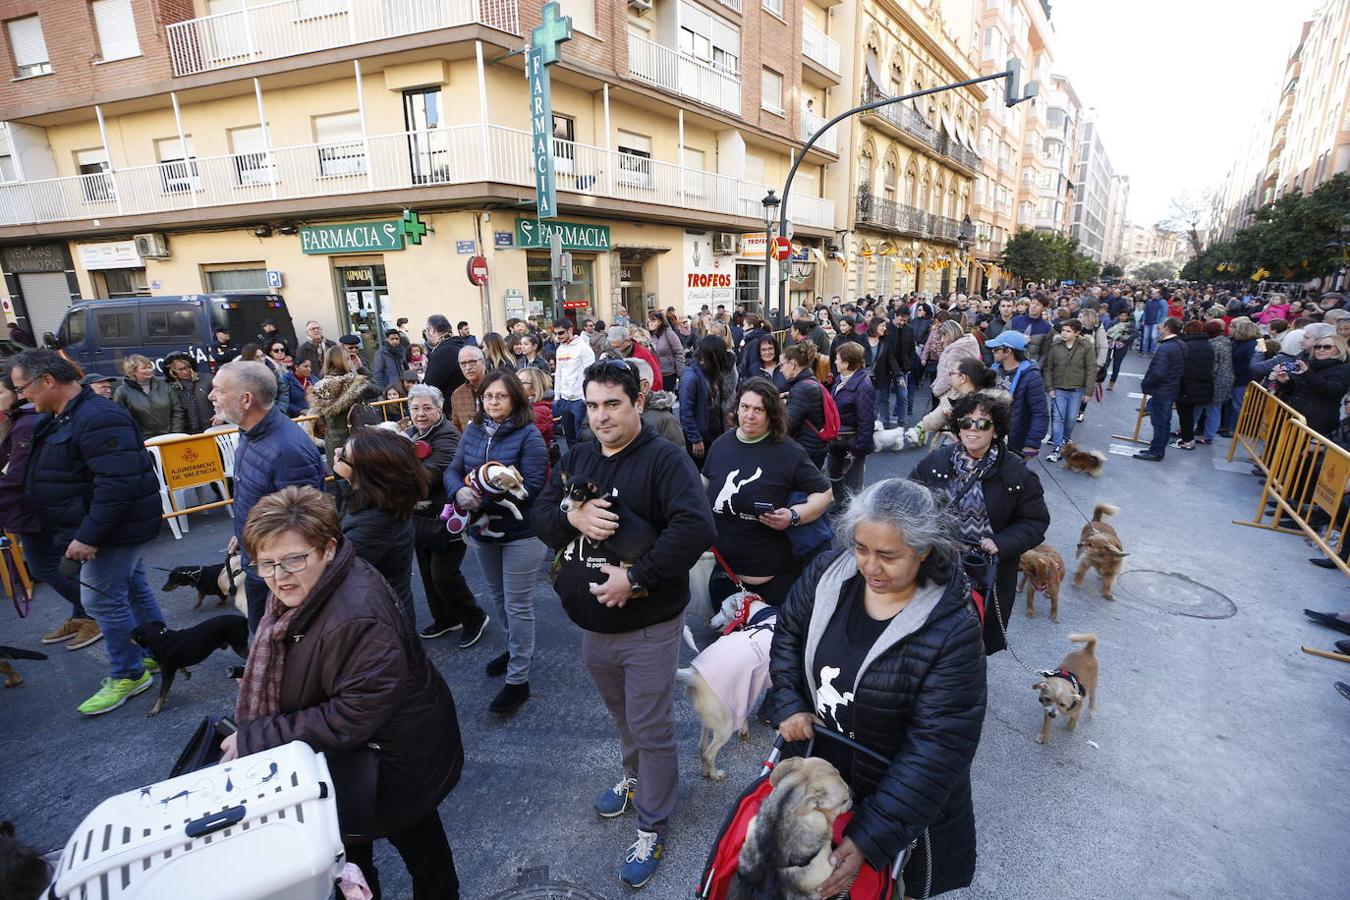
(1177, 84)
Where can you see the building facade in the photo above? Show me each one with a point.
(1055, 180)
(1096, 183)
(267, 145)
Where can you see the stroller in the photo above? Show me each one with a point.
(870, 884)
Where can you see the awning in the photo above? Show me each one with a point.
(946, 121)
(640, 251)
(872, 73)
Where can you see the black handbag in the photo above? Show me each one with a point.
(356, 783)
(203, 748)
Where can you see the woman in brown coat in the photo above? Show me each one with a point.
(334, 664)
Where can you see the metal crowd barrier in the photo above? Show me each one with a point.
(1307, 474)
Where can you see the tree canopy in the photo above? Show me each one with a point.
(1047, 256)
(1296, 238)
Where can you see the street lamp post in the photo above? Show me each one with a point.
(962, 242)
(771, 204)
(1013, 94)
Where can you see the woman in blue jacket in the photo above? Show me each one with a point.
(700, 396)
(505, 545)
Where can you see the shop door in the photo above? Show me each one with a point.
(45, 296)
(363, 296)
(749, 286)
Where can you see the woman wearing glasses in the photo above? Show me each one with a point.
(334, 664)
(997, 499)
(1317, 380)
(503, 431)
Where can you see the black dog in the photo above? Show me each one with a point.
(206, 579)
(176, 650)
(634, 536)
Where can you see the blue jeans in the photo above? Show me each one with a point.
(1212, 413)
(569, 414)
(898, 388)
(1149, 338)
(1235, 408)
(1063, 414)
(117, 594)
(44, 557)
(1160, 417)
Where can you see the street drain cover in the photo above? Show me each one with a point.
(1172, 592)
(534, 884)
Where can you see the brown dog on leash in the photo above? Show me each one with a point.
(1042, 570)
(1064, 690)
(1099, 548)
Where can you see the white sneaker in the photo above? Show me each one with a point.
(1052, 456)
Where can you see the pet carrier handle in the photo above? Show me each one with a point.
(819, 730)
(214, 822)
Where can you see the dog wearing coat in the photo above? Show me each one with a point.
(492, 481)
(726, 679)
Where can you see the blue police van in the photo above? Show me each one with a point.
(99, 334)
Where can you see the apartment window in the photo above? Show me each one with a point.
(695, 164)
(29, 47)
(116, 28)
(775, 7)
(582, 13)
(96, 185)
(7, 170)
(342, 148)
(635, 159)
(251, 165)
(111, 284)
(771, 91)
(709, 38)
(236, 279)
(564, 144)
(888, 181)
(754, 169)
(177, 165)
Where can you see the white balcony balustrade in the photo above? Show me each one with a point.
(291, 27)
(673, 71)
(459, 155)
(811, 123)
(820, 47)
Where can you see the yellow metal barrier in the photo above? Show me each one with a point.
(1259, 425)
(1307, 476)
(1138, 424)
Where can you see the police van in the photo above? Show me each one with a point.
(99, 334)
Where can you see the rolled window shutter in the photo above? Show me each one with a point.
(116, 26)
(27, 42)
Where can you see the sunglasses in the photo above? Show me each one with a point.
(966, 423)
(1324, 346)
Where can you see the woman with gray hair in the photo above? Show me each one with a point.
(880, 641)
(440, 554)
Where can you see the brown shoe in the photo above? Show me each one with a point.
(88, 633)
(64, 633)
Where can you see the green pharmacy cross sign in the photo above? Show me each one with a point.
(545, 38)
(414, 229)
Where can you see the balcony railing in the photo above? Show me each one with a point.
(291, 27)
(459, 155)
(811, 124)
(881, 212)
(901, 116)
(949, 147)
(674, 71)
(820, 47)
(731, 4)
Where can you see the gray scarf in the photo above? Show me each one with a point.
(966, 495)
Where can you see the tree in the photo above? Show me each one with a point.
(1045, 256)
(1186, 213)
(1111, 270)
(1155, 270)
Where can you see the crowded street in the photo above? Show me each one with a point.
(1207, 758)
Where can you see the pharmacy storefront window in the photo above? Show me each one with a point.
(539, 272)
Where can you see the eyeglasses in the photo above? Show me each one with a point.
(496, 397)
(1324, 346)
(966, 423)
(288, 564)
(20, 388)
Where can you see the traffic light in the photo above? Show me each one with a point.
(1013, 92)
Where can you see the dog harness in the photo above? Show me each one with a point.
(1068, 676)
(751, 623)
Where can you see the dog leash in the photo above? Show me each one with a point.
(998, 612)
(23, 601)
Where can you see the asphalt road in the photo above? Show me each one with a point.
(1207, 771)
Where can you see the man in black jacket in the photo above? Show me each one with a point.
(1162, 384)
(631, 618)
(443, 361)
(92, 484)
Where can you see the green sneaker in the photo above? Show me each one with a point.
(114, 693)
(150, 665)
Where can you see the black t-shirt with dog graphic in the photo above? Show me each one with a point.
(839, 655)
(741, 474)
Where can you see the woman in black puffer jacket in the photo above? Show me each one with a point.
(1197, 381)
(805, 400)
(1320, 379)
(881, 641)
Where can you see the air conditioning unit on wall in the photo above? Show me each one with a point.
(724, 244)
(640, 6)
(152, 246)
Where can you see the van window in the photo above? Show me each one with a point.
(244, 315)
(115, 328)
(73, 329)
(170, 325)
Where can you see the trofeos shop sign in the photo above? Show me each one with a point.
(707, 278)
(533, 234)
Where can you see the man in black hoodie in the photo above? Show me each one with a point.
(631, 618)
(443, 362)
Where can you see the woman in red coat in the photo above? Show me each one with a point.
(539, 388)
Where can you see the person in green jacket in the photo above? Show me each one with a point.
(1069, 368)
(148, 398)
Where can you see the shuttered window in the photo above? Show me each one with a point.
(29, 47)
(251, 165)
(116, 29)
(342, 150)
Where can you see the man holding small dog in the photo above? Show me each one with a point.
(631, 618)
(273, 453)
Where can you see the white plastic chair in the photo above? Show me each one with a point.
(178, 499)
